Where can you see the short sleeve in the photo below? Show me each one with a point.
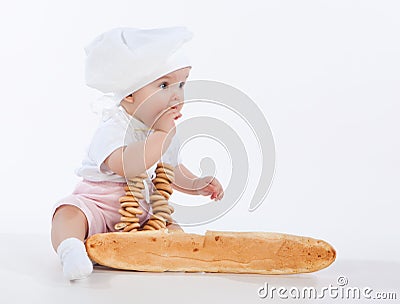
(172, 155)
(106, 140)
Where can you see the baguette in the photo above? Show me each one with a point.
(216, 251)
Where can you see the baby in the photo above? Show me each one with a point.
(143, 73)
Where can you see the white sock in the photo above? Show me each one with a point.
(74, 259)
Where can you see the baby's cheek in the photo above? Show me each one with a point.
(157, 112)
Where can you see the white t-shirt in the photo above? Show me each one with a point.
(118, 131)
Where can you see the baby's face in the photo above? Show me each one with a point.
(161, 94)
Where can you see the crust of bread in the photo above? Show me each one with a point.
(216, 251)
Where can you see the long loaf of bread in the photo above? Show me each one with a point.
(216, 251)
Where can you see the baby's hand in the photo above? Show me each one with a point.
(209, 185)
(166, 122)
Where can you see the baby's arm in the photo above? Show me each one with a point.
(184, 180)
(187, 182)
(134, 159)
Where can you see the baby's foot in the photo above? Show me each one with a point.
(74, 259)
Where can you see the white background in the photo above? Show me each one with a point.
(325, 74)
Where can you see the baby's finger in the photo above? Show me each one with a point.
(212, 189)
(170, 111)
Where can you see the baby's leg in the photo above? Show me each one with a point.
(69, 230)
(68, 221)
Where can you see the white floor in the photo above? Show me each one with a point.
(30, 273)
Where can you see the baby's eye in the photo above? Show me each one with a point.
(164, 85)
(181, 84)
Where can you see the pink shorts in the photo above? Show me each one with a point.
(99, 201)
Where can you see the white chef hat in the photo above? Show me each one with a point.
(123, 60)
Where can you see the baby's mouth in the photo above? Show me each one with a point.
(179, 116)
